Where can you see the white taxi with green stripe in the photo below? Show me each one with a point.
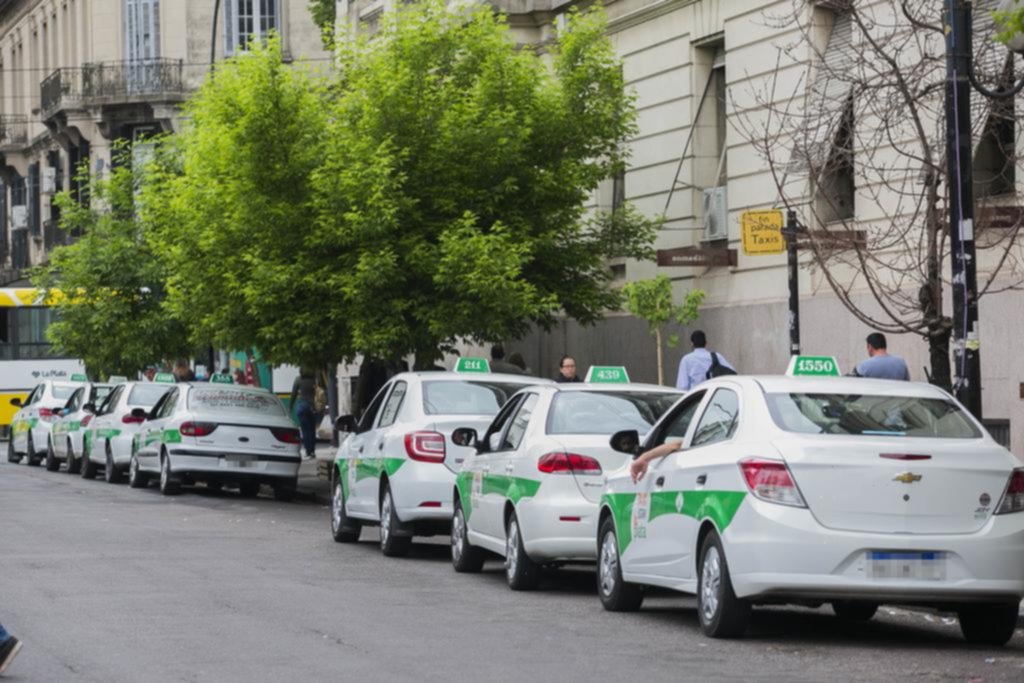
(818, 488)
(397, 466)
(531, 492)
(109, 438)
(67, 440)
(33, 424)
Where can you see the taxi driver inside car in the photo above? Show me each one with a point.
(956, 550)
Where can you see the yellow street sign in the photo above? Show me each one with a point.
(762, 232)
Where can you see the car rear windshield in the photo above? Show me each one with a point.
(63, 392)
(466, 397)
(226, 400)
(99, 393)
(866, 415)
(146, 395)
(606, 412)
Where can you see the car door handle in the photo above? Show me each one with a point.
(509, 467)
(660, 481)
(380, 445)
(361, 449)
(702, 479)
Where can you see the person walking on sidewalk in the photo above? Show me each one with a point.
(303, 397)
(880, 363)
(9, 648)
(701, 364)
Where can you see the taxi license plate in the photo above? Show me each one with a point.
(895, 565)
(240, 460)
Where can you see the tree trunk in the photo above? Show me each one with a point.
(939, 333)
(661, 369)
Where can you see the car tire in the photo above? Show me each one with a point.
(110, 471)
(616, 595)
(12, 456)
(88, 470)
(344, 529)
(249, 489)
(721, 613)
(170, 485)
(136, 478)
(52, 463)
(32, 459)
(522, 573)
(391, 544)
(74, 464)
(466, 557)
(988, 624)
(854, 610)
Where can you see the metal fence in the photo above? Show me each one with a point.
(13, 130)
(112, 80)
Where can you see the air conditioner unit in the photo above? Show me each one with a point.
(716, 214)
(19, 217)
(49, 180)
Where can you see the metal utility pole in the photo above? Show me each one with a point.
(790, 233)
(960, 188)
(213, 37)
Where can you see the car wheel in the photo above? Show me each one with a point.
(52, 463)
(616, 595)
(11, 455)
(249, 489)
(988, 624)
(110, 471)
(852, 610)
(88, 470)
(74, 464)
(170, 485)
(523, 573)
(721, 613)
(344, 529)
(136, 479)
(466, 558)
(30, 455)
(391, 544)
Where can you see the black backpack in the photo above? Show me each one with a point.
(717, 369)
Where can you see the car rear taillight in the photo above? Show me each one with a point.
(565, 463)
(86, 419)
(197, 428)
(131, 420)
(1013, 499)
(425, 446)
(286, 434)
(49, 414)
(771, 481)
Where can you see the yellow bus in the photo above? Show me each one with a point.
(26, 356)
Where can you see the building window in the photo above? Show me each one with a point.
(142, 29)
(249, 20)
(619, 190)
(835, 191)
(995, 159)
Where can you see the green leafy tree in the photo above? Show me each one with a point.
(232, 212)
(324, 15)
(108, 286)
(457, 168)
(652, 300)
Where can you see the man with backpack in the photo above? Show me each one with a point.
(700, 364)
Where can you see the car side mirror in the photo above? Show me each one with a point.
(627, 441)
(345, 423)
(465, 436)
(16, 402)
(89, 408)
(140, 413)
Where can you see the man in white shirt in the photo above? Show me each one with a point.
(694, 367)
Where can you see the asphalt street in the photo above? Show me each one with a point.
(105, 583)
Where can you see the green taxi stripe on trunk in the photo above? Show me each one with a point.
(171, 436)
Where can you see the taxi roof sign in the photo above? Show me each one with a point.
(164, 378)
(221, 378)
(813, 366)
(607, 374)
(79, 377)
(473, 365)
(117, 379)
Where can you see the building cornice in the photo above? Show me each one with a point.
(645, 13)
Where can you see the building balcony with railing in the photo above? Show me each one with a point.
(112, 83)
(13, 132)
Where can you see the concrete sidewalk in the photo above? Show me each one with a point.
(314, 486)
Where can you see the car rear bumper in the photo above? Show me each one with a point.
(221, 465)
(423, 491)
(776, 552)
(559, 524)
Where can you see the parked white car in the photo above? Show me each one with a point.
(33, 423)
(67, 438)
(397, 467)
(532, 490)
(219, 434)
(849, 491)
(108, 441)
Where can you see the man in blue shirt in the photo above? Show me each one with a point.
(694, 367)
(882, 365)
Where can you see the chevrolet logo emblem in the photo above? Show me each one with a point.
(907, 477)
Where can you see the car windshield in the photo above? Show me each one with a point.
(227, 400)
(606, 412)
(866, 415)
(146, 395)
(63, 391)
(465, 397)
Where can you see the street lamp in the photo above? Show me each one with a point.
(959, 164)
